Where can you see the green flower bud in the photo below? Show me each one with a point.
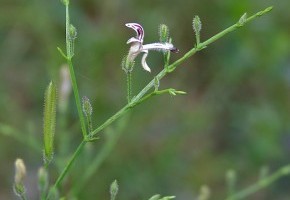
(20, 173)
(114, 190)
(87, 107)
(163, 33)
(72, 32)
(196, 25)
(127, 64)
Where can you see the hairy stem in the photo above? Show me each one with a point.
(67, 167)
(137, 98)
(72, 75)
(129, 86)
(284, 171)
(112, 136)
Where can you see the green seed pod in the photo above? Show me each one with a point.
(163, 33)
(49, 122)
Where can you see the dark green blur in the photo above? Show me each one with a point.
(236, 114)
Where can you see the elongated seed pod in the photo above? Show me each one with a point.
(49, 120)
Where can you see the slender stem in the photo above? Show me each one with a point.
(67, 23)
(67, 167)
(148, 96)
(112, 136)
(111, 119)
(77, 98)
(135, 100)
(90, 124)
(284, 171)
(23, 197)
(72, 75)
(173, 66)
(129, 85)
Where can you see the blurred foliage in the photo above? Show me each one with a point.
(235, 116)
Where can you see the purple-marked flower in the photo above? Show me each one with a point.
(137, 46)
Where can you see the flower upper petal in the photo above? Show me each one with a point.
(132, 39)
(138, 29)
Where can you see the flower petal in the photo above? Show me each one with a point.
(160, 47)
(143, 61)
(138, 29)
(132, 39)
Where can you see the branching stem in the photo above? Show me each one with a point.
(263, 183)
(138, 98)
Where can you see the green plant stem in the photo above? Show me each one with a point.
(112, 136)
(129, 85)
(72, 75)
(90, 124)
(77, 98)
(284, 171)
(154, 93)
(135, 100)
(67, 167)
(23, 197)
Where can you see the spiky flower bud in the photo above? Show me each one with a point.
(49, 121)
(87, 107)
(196, 24)
(72, 32)
(20, 173)
(114, 190)
(163, 33)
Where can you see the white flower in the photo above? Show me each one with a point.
(137, 46)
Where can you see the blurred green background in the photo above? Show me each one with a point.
(235, 116)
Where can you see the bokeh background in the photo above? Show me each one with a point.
(235, 116)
